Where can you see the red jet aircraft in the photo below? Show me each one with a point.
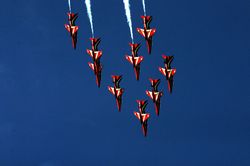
(142, 115)
(72, 28)
(168, 72)
(155, 95)
(135, 60)
(116, 90)
(96, 56)
(146, 32)
(94, 53)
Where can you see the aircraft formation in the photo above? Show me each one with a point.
(134, 59)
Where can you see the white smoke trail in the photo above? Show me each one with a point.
(144, 7)
(69, 6)
(88, 6)
(128, 14)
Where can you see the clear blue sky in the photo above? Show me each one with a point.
(53, 114)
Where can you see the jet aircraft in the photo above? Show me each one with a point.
(95, 54)
(142, 115)
(155, 95)
(117, 91)
(135, 60)
(147, 32)
(72, 28)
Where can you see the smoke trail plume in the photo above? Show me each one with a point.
(144, 7)
(69, 6)
(88, 6)
(128, 15)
